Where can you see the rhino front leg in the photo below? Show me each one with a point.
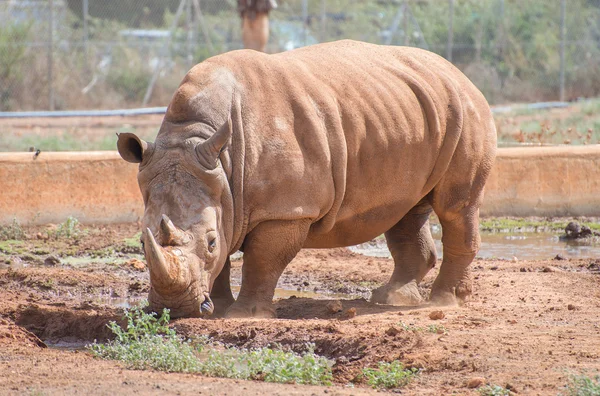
(221, 294)
(268, 249)
(413, 250)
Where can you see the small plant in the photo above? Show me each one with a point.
(389, 375)
(437, 329)
(493, 390)
(271, 365)
(582, 385)
(413, 328)
(70, 228)
(148, 342)
(13, 231)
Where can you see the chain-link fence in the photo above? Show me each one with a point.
(99, 54)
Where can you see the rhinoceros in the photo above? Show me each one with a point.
(325, 146)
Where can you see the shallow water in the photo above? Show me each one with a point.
(526, 246)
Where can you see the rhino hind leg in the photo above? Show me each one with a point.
(456, 201)
(414, 254)
(268, 249)
(221, 294)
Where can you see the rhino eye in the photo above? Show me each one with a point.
(212, 244)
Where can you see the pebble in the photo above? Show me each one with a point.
(437, 315)
(551, 269)
(350, 313)
(392, 331)
(136, 264)
(334, 306)
(475, 382)
(571, 307)
(51, 260)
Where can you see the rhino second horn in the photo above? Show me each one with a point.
(171, 235)
(157, 262)
(208, 152)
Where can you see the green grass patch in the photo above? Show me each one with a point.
(493, 390)
(147, 342)
(389, 375)
(582, 385)
(134, 241)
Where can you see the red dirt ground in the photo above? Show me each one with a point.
(528, 325)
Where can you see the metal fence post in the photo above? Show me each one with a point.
(450, 30)
(323, 21)
(563, 34)
(304, 21)
(405, 27)
(86, 34)
(50, 55)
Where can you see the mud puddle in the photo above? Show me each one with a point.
(523, 246)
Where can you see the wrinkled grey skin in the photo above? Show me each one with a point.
(325, 146)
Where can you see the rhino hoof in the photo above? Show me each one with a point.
(407, 294)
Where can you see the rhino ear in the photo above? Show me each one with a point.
(208, 151)
(132, 148)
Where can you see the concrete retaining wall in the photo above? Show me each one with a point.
(99, 187)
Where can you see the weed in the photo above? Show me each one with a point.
(389, 375)
(437, 329)
(271, 365)
(148, 342)
(13, 231)
(70, 228)
(413, 328)
(493, 390)
(582, 385)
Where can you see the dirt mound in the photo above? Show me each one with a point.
(88, 323)
(11, 334)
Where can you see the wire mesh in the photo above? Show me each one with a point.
(104, 54)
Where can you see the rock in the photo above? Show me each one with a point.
(515, 259)
(571, 307)
(437, 315)
(350, 313)
(551, 269)
(392, 331)
(523, 269)
(572, 230)
(52, 261)
(136, 264)
(559, 257)
(334, 306)
(475, 382)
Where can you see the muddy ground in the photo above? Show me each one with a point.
(528, 326)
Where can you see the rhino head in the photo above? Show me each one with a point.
(187, 222)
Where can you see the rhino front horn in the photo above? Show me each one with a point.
(208, 151)
(157, 262)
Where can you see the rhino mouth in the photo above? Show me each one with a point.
(186, 306)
